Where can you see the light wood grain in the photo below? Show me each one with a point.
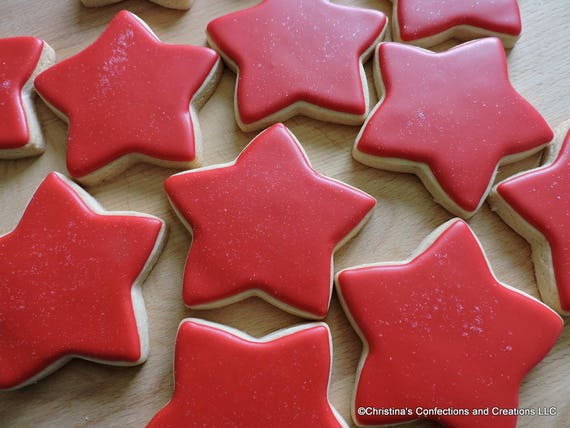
(88, 394)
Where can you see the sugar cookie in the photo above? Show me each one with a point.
(224, 377)
(537, 205)
(298, 57)
(171, 4)
(442, 336)
(21, 60)
(427, 23)
(126, 98)
(451, 118)
(70, 284)
(265, 225)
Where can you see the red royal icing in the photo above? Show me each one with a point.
(418, 19)
(223, 379)
(269, 222)
(443, 332)
(19, 57)
(65, 283)
(455, 111)
(541, 198)
(127, 93)
(289, 51)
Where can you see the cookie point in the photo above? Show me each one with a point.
(343, 276)
(457, 224)
(123, 13)
(278, 125)
(170, 183)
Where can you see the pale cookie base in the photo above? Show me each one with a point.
(421, 169)
(98, 3)
(175, 4)
(136, 291)
(261, 293)
(424, 245)
(171, 4)
(462, 33)
(268, 338)
(541, 251)
(35, 145)
(303, 108)
(121, 164)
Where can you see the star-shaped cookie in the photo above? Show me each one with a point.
(427, 23)
(537, 205)
(441, 332)
(225, 378)
(171, 4)
(451, 118)
(298, 57)
(21, 60)
(266, 225)
(126, 98)
(70, 282)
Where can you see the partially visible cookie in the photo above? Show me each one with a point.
(451, 118)
(265, 225)
(223, 378)
(536, 204)
(70, 284)
(21, 60)
(129, 98)
(298, 57)
(172, 4)
(427, 23)
(442, 336)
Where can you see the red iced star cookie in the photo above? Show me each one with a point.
(265, 225)
(430, 22)
(440, 331)
(70, 284)
(225, 378)
(298, 57)
(126, 97)
(21, 59)
(451, 118)
(537, 205)
(172, 4)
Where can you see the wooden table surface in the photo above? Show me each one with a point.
(88, 394)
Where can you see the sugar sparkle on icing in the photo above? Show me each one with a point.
(19, 57)
(418, 19)
(65, 283)
(541, 197)
(455, 111)
(127, 93)
(223, 380)
(297, 50)
(269, 222)
(442, 332)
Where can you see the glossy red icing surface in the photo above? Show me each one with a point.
(19, 57)
(127, 93)
(542, 198)
(442, 332)
(455, 111)
(65, 283)
(424, 18)
(297, 50)
(268, 222)
(223, 380)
